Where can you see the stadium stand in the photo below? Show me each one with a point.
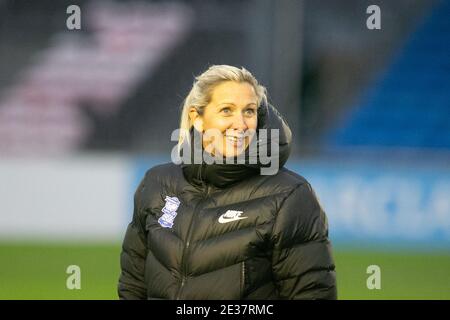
(42, 112)
(409, 104)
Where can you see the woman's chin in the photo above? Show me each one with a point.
(233, 150)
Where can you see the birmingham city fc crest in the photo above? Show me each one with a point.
(169, 212)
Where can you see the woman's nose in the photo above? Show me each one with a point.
(239, 123)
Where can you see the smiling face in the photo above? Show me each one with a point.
(229, 120)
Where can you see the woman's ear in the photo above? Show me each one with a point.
(196, 119)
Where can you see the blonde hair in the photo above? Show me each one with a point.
(200, 94)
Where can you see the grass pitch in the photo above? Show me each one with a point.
(38, 271)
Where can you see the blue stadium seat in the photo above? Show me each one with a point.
(410, 105)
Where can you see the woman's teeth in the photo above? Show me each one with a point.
(234, 139)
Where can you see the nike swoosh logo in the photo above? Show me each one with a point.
(231, 216)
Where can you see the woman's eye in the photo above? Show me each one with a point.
(226, 110)
(250, 112)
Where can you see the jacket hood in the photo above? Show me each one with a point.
(226, 174)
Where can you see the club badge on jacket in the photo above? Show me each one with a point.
(170, 212)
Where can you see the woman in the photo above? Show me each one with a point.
(222, 230)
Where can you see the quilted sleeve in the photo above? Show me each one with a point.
(302, 261)
(132, 259)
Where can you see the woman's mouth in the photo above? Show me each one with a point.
(236, 141)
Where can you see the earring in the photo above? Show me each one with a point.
(198, 125)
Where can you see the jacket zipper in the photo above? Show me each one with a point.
(242, 279)
(186, 246)
(188, 242)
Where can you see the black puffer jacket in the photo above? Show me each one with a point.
(230, 233)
